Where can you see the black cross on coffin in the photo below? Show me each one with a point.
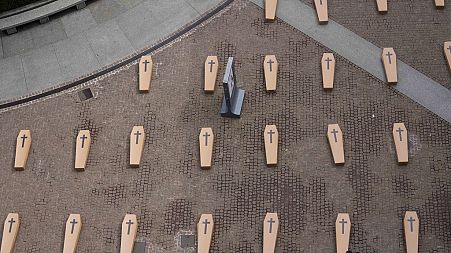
(232, 102)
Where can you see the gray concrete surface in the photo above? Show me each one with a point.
(366, 55)
(77, 43)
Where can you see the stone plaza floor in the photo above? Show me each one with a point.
(169, 191)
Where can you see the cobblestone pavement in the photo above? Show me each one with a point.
(170, 191)
(415, 29)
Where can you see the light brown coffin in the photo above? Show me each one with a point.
(321, 11)
(270, 229)
(271, 144)
(211, 73)
(270, 9)
(335, 137)
(72, 234)
(128, 235)
(390, 66)
(328, 70)
(206, 139)
(400, 137)
(204, 233)
(82, 149)
(10, 231)
(137, 139)
(23, 145)
(411, 230)
(342, 232)
(270, 67)
(145, 73)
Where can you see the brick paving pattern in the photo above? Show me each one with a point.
(170, 191)
(414, 28)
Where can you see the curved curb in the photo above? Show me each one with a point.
(124, 62)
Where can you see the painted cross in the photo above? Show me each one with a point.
(83, 138)
(328, 60)
(271, 132)
(206, 135)
(129, 223)
(137, 134)
(73, 222)
(211, 63)
(23, 139)
(400, 133)
(271, 221)
(343, 222)
(411, 220)
(388, 54)
(205, 222)
(270, 64)
(145, 65)
(335, 132)
(11, 222)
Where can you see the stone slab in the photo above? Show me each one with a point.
(12, 78)
(201, 6)
(75, 57)
(48, 33)
(41, 69)
(109, 43)
(141, 26)
(78, 21)
(17, 43)
(104, 11)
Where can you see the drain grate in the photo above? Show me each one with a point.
(85, 94)
(187, 241)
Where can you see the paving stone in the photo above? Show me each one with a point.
(17, 43)
(103, 11)
(78, 21)
(41, 69)
(202, 6)
(171, 13)
(75, 57)
(128, 4)
(12, 78)
(1, 45)
(109, 43)
(141, 26)
(48, 33)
